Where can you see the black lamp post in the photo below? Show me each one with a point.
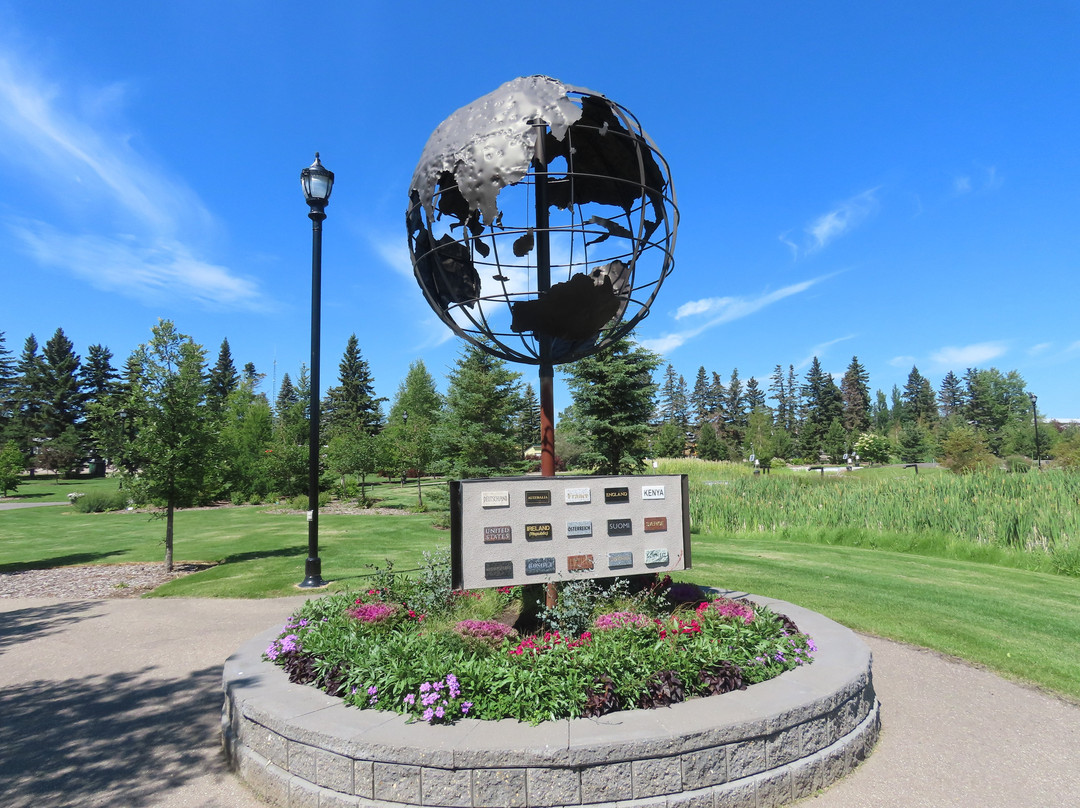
(1035, 419)
(317, 183)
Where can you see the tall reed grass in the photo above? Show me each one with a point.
(1033, 513)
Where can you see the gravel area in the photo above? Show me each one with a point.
(92, 582)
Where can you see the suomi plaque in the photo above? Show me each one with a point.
(620, 527)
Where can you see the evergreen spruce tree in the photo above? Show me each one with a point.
(674, 399)
(223, 377)
(854, 388)
(28, 399)
(735, 401)
(755, 396)
(352, 404)
(7, 384)
(950, 395)
(700, 398)
(708, 445)
(919, 403)
(528, 420)
(99, 384)
(824, 403)
(795, 404)
(778, 390)
(717, 395)
(614, 397)
(62, 398)
(477, 428)
(880, 413)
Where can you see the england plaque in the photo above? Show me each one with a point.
(620, 527)
(616, 495)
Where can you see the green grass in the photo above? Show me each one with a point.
(45, 488)
(1023, 624)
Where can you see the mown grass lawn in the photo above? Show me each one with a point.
(1022, 624)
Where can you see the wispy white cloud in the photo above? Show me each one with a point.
(150, 273)
(71, 143)
(983, 180)
(962, 185)
(965, 356)
(832, 224)
(902, 361)
(821, 350)
(720, 310)
(1041, 348)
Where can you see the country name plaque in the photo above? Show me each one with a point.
(535, 498)
(514, 531)
(538, 532)
(579, 563)
(579, 530)
(656, 557)
(616, 495)
(577, 496)
(539, 566)
(497, 534)
(498, 570)
(495, 499)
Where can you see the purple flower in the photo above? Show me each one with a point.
(272, 651)
(290, 643)
(409, 699)
(439, 712)
(425, 687)
(465, 707)
(371, 691)
(428, 715)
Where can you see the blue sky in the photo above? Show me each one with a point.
(898, 183)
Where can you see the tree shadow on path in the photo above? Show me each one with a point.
(22, 625)
(118, 739)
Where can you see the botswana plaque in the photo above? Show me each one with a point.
(539, 566)
(579, 563)
(498, 570)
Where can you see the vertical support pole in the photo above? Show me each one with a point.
(543, 285)
(313, 564)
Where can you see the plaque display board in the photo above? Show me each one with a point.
(506, 531)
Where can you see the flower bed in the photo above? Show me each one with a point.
(485, 655)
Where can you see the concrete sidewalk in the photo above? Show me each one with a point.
(117, 702)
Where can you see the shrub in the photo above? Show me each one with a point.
(101, 501)
(1017, 464)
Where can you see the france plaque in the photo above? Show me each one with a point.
(578, 496)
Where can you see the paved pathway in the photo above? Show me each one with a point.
(116, 702)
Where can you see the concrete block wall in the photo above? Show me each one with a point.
(773, 743)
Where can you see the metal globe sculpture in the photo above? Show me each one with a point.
(541, 221)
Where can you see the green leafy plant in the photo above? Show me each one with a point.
(377, 651)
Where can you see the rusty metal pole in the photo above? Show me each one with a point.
(543, 284)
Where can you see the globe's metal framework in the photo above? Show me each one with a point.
(541, 221)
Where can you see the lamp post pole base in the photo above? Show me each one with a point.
(313, 574)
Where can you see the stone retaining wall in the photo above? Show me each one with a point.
(765, 746)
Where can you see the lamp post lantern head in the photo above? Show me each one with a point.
(1033, 398)
(317, 182)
